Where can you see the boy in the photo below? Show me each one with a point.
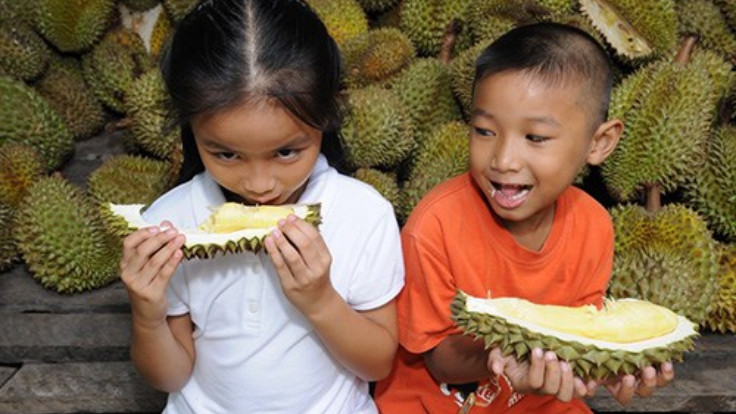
(515, 226)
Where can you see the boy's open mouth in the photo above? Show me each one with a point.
(509, 195)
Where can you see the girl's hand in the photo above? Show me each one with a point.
(542, 373)
(302, 261)
(150, 256)
(624, 387)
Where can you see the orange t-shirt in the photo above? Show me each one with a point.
(451, 241)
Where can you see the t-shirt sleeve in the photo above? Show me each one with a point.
(379, 274)
(424, 304)
(177, 293)
(593, 289)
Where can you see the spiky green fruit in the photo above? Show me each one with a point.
(462, 71)
(152, 123)
(384, 182)
(22, 52)
(442, 155)
(129, 179)
(8, 250)
(232, 227)
(141, 5)
(74, 25)
(177, 9)
(344, 19)
(112, 66)
(712, 190)
(728, 8)
(377, 5)
(379, 131)
(27, 118)
(667, 113)
(667, 257)
(704, 19)
(635, 29)
(425, 90)
(622, 338)
(20, 167)
(64, 89)
(486, 21)
(426, 22)
(722, 316)
(375, 56)
(62, 238)
(19, 10)
(162, 30)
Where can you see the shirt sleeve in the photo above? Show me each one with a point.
(177, 293)
(380, 270)
(424, 304)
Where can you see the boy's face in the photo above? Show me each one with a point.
(528, 141)
(259, 152)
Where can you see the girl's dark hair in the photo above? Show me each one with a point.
(229, 52)
(555, 53)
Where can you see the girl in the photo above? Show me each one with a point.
(299, 328)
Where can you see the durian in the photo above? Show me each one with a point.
(667, 257)
(379, 131)
(462, 71)
(129, 179)
(426, 22)
(623, 337)
(722, 316)
(8, 250)
(178, 9)
(73, 25)
(20, 167)
(375, 56)
(635, 29)
(377, 5)
(231, 228)
(141, 5)
(22, 52)
(713, 189)
(344, 19)
(62, 238)
(704, 19)
(442, 155)
(27, 118)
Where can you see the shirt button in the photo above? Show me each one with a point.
(253, 307)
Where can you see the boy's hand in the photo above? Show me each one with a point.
(624, 387)
(302, 261)
(150, 257)
(542, 373)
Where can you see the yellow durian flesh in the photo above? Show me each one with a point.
(623, 321)
(230, 217)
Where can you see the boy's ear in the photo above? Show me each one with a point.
(605, 139)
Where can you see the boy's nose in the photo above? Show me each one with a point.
(505, 156)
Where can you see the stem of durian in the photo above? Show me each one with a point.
(119, 124)
(686, 49)
(449, 40)
(654, 197)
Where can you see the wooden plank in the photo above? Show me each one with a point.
(112, 387)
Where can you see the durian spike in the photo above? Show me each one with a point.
(653, 190)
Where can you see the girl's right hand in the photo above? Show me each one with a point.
(150, 256)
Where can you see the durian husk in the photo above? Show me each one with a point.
(588, 358)
(124, 219)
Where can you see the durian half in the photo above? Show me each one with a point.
(623, 337)
(231, 228)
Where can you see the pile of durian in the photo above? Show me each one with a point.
(73, 70)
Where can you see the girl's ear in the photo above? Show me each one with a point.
(605, 139)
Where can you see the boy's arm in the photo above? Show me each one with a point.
(458, 359)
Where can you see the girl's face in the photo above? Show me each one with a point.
(258, 151)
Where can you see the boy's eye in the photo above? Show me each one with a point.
(484, 132)
(286, 153)
(536, 138)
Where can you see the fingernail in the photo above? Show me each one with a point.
(276, 233)
(537, 352)
(564, 366)
(629, 381)
(292, 218)
(281, 222)
(170, 232)
(153, 230)
(550, 356)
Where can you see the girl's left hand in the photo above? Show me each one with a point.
(302, 261)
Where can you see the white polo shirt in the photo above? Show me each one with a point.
(255, 352)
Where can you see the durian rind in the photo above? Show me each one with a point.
(74, 25)
(722, 316)
(588, 358)
(425, 22)
(704, 19)
(375, 56)
(22, 52)
(129, 179)
(8, 250)
(124, 219)
(344, 19)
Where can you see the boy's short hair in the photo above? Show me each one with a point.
(555, 53)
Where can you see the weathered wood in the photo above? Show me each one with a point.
(112, 387)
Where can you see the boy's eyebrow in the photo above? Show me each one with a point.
(536, 119)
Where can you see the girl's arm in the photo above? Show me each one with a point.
(162, 348)
(364, 342)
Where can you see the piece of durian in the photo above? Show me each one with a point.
(231, 228)
(623, 337)
(73, 25)
(375, 56)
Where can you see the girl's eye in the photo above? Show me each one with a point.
(226, 156)
(484, 132)
(286, 153)
(536, 138)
